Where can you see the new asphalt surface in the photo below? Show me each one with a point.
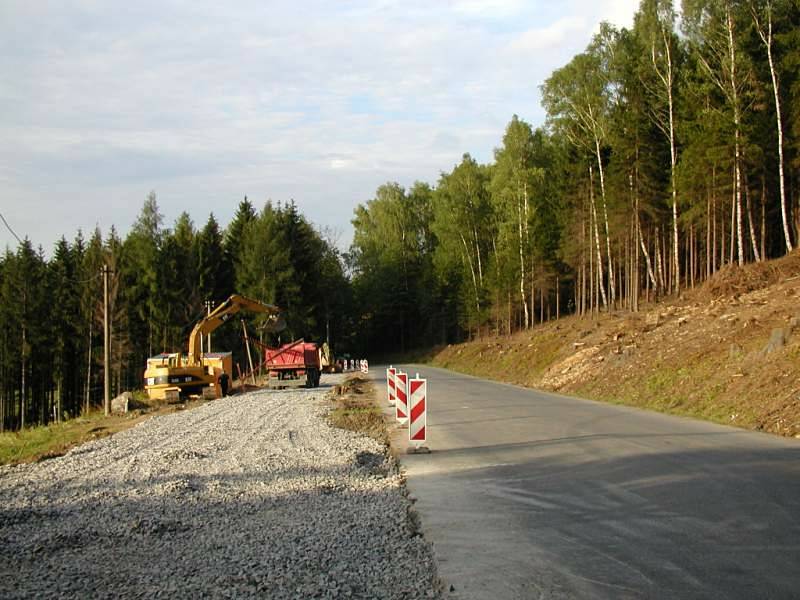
(535, 495)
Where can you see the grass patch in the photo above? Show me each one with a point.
(49, 441)
(40, 443)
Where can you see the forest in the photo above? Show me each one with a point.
(52, 311)
(671, 150)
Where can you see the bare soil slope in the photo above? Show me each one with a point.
(728, 351)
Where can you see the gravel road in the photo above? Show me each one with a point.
(252, 495)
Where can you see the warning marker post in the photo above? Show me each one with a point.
(401, 396)
(418, 411)
(390, 374)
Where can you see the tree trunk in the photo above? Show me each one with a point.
(558, 298)
(472, 272)
(766, 38)
(580, 305)
(23, 388)
(600, 282)
(708, 235)
(611, 285)
(522, 267)
(592, 289)
(659, 261)
(763, 218)
(750, 224)
(733, 217)
(646, 253)
(737, 138)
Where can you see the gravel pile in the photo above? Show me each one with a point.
(253, 495)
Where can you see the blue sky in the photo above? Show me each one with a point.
(206, 102)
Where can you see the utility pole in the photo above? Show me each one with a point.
(106, 346)
(249, 356)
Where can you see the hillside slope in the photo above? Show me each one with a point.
(728, 351)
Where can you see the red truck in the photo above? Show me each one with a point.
(293, 365)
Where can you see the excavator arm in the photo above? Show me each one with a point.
(225, 311)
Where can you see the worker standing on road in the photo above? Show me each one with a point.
(223, 384)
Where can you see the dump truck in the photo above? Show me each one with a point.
(296, 364)
(176, 375)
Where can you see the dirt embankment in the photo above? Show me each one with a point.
(728, 351)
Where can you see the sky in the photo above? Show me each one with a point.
(204, 103)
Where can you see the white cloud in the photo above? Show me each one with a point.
(488, 8)
(320, 102)
(617, 12)
(551, 36)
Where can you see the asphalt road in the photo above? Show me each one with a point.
(535, 495)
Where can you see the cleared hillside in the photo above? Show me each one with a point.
(728, 351)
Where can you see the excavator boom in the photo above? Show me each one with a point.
(169, 377)
(225, 311)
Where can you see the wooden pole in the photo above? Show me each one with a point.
(249, 356)
(106, 346)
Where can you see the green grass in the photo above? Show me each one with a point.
(48, 441)
(51, 440)
(692, 391)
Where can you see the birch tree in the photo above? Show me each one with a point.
(656, 23)
(461, 212)
(762, 19)
(512, 186)
(577, 98)
(713, 29)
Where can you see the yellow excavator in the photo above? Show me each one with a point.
(172, 376)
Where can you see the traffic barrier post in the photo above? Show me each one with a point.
(418, 415)
(390, 374)
(401, 394)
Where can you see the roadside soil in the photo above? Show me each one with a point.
(355, 409)
(727, 351)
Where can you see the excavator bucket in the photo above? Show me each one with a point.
(275, 323)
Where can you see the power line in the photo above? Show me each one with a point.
(9, 228)
(78, 281)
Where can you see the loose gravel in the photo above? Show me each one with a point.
(248, 496)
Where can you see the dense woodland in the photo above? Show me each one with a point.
(670, 150)
(51, 312)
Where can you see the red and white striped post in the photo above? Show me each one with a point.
(401, 391)
(418, 410)
(390, 391)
